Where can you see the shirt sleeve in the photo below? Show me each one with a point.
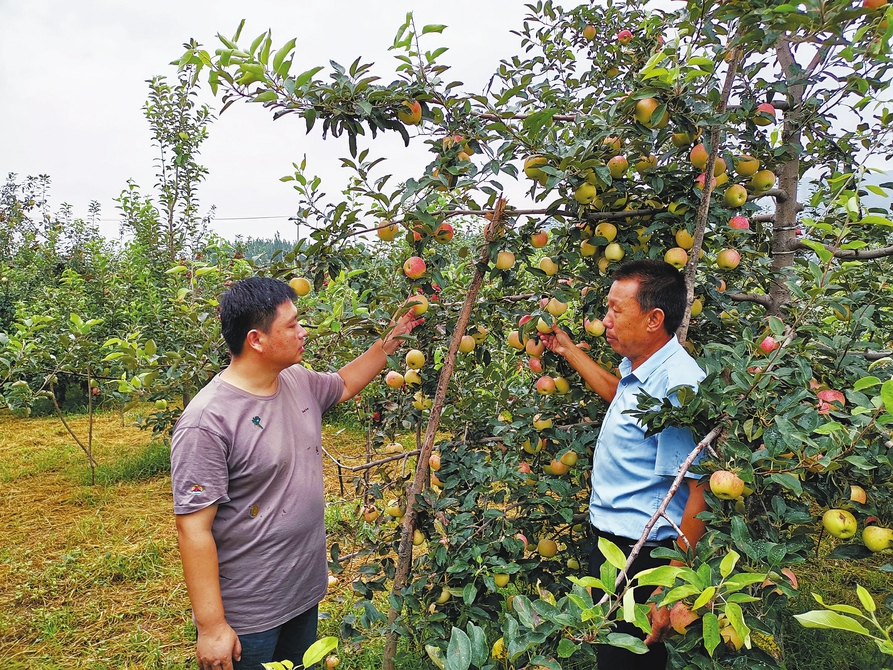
(199, 472)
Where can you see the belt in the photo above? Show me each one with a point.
(629, 542)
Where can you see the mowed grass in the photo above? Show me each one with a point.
(90, 574)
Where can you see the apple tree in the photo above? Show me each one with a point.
(728, 138)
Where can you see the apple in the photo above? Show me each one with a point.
(684, 239)
(535, 365)
(569, 458)
(594, 327)
(547, 548)
(746, 165)
(729, 635)
(414, 267)
(548, 266)
(585, 193)
(444, 596)
(435, 481)
(415, 359)
(768, 345)
(874, 4)
(681, 617)
(466, 344)
(697, 306)
(555, 307)
(587, 249)
(681, 139)
(542, 326)
(573, 564)
(412, 115)
(698, 156)
(418, 537)
(739, 223)
(555, 467)
(505, 260)
(840, 523)
(645, 110)
(479, 334)
(646, 164)
(419, 304)
(161, 404)
(735, 196)
(300, 285)
(444, 233)
(677, 257)
(411, 377)
(614, 252)
(625, 36)
(394, 379)
(539, 239)
(702, 179)
(540, 423)
(877, 538)
(858, 494)
(434, 460)
(332, 662)
(394, 509)
(830, 399)
(501, 579)
(388, 231)
(524, 469)
(589, 32)
(726, 485)
(530, 449)
(545, 385)
(514, 340)
(765, 114)
(762, 181)
(523, 538)
(617, 166)
(606, 230)
(562, 386)
(719, 166)
(370, 513)
(532, 165)
(421, 402)
(728, 259)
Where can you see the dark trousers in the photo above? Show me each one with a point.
(286, 642)
(615, 658)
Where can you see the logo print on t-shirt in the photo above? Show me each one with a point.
(196, 489)
(256, 422)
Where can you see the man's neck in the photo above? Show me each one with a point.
(251, 377)
(656, 345)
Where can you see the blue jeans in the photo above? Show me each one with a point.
(286, 642)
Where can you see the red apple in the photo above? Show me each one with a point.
(545, 385)
(681, 617)
(412, 115)
(728, 259)
(739, 223)
(589, 32)
(444, 233)
(539, 239)
(394, 379)
(765, 114)
(768, 345)
(625, 37)
(414, 267)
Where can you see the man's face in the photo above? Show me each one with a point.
(626, 325)
(285, 340)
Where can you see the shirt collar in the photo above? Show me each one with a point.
(653, 362)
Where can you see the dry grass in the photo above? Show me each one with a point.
(90, 575)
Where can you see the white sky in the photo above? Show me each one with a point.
(73, 81)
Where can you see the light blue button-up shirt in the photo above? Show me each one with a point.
(632, 474)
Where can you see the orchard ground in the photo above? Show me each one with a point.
(90, 575)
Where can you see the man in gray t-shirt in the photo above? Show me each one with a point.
(246, 471)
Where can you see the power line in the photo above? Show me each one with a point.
(228, 218)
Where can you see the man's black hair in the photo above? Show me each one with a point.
(661, 286)
(251, 304)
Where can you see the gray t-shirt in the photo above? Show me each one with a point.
(258, 458)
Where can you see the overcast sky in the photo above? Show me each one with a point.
(74, 74)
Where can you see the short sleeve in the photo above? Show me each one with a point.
(199, 472)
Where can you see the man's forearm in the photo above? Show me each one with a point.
(198, 553)
(362, 370)
(602, 381)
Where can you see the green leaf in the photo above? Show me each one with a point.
(536, 121)
(612, 553)
(319, 650)
(628, 642)
(705, 597)
(876, 220)
(664, 575)
(459, 651)
(828, 428)
(866, 382)
(865, 598)
(304, 77)
(887, 395)
(479, 650)
(832, 620)
(736, 618)
(436, 656)
(433, 28)
(728, 563)
(819, 248)
(566, 648)
(711, 632)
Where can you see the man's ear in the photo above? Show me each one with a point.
(656, 319)
(253, 340)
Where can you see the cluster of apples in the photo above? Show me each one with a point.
(842, 524)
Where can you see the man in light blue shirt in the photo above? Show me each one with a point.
(631, 474)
